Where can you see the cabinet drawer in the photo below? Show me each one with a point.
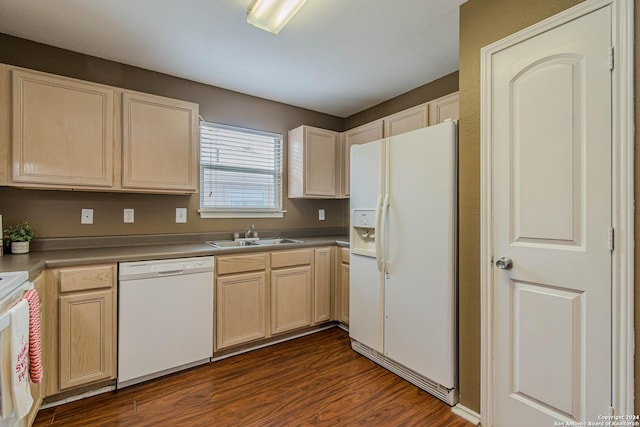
(84, 278)
(344, 255)
(290, 258)
(241, 263)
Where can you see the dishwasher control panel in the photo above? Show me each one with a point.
(164, 267)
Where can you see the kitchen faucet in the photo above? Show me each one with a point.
(247, 233)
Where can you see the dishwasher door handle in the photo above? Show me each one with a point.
(170, 272)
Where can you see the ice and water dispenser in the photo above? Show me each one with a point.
(363, 232)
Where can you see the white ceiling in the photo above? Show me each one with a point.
(336, 56)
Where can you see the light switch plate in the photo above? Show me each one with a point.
(181, 215)
(128, 216)
(86, 216)
(321, 214)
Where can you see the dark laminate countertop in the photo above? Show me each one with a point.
(35, 262)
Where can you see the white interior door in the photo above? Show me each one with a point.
(551, 186)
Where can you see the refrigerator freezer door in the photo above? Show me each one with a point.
(365, 281)
(366, 196)
(419, 291)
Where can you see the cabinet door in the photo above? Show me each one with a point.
(87, 331)
(5, 125)
(405, 121)
(159, 144)
(320, 164)
(313, 168)
(322, 285)
(290, 299)
(343, 307)
(444, 108)
(361, 135)
(62, 132)
(240, 309)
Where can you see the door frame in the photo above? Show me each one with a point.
(622, 201)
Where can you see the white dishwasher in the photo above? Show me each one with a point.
(165, 317)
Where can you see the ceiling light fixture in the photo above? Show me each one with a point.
(273, 15)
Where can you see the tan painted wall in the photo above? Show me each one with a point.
(483, 22)
(57, 213)
(432, 90)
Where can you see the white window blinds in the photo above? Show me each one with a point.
(240, 172)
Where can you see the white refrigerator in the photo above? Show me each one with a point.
(402, 307)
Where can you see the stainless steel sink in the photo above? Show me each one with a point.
(229, 243)
(258, 242)
(277, 241)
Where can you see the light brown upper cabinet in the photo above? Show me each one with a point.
(73, 134)
(62, 132)
(361, 135)
(159, 143)
(407, 120)
(313, 163)
(319, 159)
(444, 108)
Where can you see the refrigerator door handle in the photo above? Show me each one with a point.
(385, 204)
(378, 239)
(382, 234)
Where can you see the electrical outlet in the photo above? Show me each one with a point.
(86, 216)
(321, 214)
(128, 216)
(181, 215)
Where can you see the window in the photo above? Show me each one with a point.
(240, 172)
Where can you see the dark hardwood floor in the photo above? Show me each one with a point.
(314, 380)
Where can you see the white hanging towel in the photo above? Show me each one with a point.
(6, 396)
(22, 400)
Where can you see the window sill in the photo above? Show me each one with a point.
(205, 213)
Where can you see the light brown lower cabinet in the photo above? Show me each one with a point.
(241, 289)
(86, 344)
(86, 347)
(290, 298)
(343, 287)
(259, 295)
(240, 308)
(291, 284)
(322, 284)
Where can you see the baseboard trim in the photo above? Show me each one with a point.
(448, 396)
(78, 397)
(467, 414)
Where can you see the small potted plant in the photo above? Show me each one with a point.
(19, 235)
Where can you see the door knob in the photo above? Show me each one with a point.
(504, 263)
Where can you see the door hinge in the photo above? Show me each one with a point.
(611, 58)
(611, 239)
